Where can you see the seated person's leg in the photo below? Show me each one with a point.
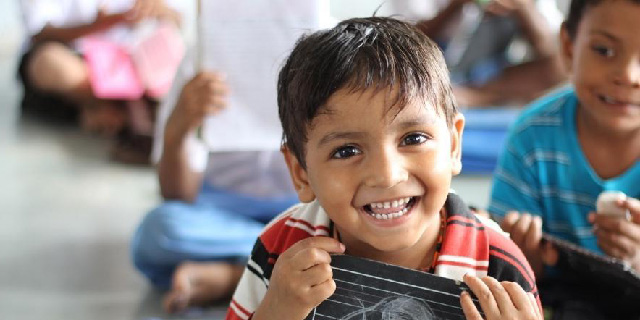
(196, 250)
(177, 232)
(54, 68)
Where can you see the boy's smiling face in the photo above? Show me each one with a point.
(381, 175)
(604, 59)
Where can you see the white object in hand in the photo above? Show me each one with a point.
(608, 204)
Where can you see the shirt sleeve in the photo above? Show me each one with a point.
(252, 286)
(36, 14)
(515, 183)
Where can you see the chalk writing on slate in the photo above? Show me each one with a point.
(372, 290)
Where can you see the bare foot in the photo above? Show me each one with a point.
(198, 284)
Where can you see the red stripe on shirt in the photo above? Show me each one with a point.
(231, 315)
(462, 264)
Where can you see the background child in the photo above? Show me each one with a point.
(372, 140)
(217, 201)
(55, 74)
(571, 146)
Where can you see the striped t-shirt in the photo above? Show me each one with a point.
(471, 244)
(543, 171)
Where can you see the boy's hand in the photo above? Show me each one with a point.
(301, 279)
(204, 95)
(619, 237)
(498, 300)
(526, 232)
(147, 9)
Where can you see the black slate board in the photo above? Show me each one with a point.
(372, 290)
(596, 268)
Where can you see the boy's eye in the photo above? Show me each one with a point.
(345, 152)
(413, 139)
(603, 51)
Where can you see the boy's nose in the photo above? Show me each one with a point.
(385, 170)
(629, 73)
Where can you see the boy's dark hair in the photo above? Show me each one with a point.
(576, 12)
(358, 54)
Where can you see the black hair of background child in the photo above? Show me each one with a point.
(356, 55)
(577, 10)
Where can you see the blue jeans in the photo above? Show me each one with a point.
(220, 226)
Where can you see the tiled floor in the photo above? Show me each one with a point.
(66, 215)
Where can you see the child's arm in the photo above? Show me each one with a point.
(301, 280)
(499, 300)
(620, 238)
(204, 95)
(102, 22)
(451, 13)
(141, 10)
(534, 25)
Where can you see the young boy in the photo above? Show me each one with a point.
(372, 140)
(572, 145)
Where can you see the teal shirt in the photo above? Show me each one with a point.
(543, 171)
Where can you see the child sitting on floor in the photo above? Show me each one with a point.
(372, 139)
(569, 147)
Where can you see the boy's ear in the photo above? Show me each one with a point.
(566, 47)
(298, 176)
(456, 143)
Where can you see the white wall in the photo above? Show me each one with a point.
(10, 26)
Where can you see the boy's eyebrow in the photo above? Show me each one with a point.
(352, 135)
(415, 122)
(605, 34)
(340, 136)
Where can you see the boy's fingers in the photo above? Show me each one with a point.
(310, 257)
(318, 274)
(633, 205)
(323, 290)
(485, 297)
(535, 306)
(509, 220)
(517, 296)
(534, 234)
(619, 227)
(211, 86)
(469, 309)
(327, 244)
(500, 295)
(618, 246)
(214, 104)
(519, 231)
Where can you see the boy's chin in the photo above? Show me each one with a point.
(389, 245)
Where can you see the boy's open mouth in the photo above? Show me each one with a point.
(614, 101)
(390, 209)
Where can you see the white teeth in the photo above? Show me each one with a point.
(391, 204)
(389, 216)
(609, 100)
